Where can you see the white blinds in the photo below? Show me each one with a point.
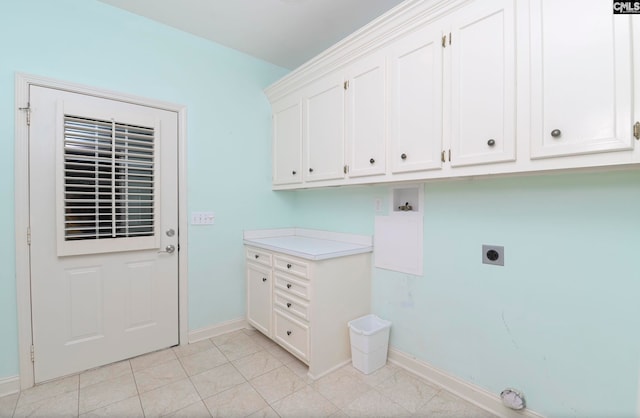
(108, 179)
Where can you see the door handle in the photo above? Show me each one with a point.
(168, 249)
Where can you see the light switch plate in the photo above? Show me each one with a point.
(202, 218)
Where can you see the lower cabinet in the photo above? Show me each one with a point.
(304, 305)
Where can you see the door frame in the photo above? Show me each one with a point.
(22, 207)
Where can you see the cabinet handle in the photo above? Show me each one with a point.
(257, 256)
(311, 170)
(264, 279)
(288, 332)
(288, 266)
(403, 156)
(491, 142)
(556, 133)
(372, 161)
(288, 285)
(288, 304)
(293, 172)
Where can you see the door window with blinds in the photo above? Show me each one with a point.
(107, 186)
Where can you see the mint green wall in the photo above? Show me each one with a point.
(88, 42)
(559, 321)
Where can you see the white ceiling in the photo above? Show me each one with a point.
(284, 32)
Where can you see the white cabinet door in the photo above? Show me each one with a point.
(287, 141)
(259, 298)
(483, 89)
(324, 129)
(366, 116)
(581, 78)
(415, 96)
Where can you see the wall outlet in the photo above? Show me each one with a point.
(493, 254)
(202, 218)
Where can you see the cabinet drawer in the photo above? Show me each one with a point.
(292, 334)
(293, 286)
(291, 266)
(259, 256)
(292, 305)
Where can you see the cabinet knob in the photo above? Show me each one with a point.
(288, 266)
(556, 133)
(293, 172)
(264, 279)
(403, 156)
(288, 332)
(372, 161)
(257, 256)
(311, 170)
(491, 142)
(288, 304)
(288, 285)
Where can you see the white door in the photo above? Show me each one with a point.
(324, 129)
(259, 298)
(581, 78)
(415, 111)
(287, 140)
(366, 116)
(483, 84)
(103, 219)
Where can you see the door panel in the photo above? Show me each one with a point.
(366, 116)
(112, 294)
(581, 79)
(415, 111)
(483, 88)
(324, 129)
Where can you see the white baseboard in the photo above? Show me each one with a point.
(218, 329)
(9, 385)
(465, 390)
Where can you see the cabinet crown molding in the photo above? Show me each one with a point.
(404, 18)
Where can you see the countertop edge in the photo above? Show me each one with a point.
(357, 239)
(306, 256)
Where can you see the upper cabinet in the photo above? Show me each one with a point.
(415, 101)
(581, 78)
(323, 123)
(459, 88)
(287, 150)
(483, 83)
(366, 107)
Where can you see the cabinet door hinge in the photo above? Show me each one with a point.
(33, 354)
(28, 110)
(346, 84)
(345, 169)
(29, 235)
(636, 130)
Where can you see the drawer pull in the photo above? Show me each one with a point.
(288, 304)
(288, 332)
(288, 285)
(264, 279)
(403, 157)
(288, 266)
(257, 256)
(556, 133)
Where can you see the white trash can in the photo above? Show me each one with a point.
(369, 342)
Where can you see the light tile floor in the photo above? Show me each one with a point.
(240, 374)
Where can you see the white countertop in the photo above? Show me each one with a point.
(309, 243)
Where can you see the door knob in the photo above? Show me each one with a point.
(168, 249)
